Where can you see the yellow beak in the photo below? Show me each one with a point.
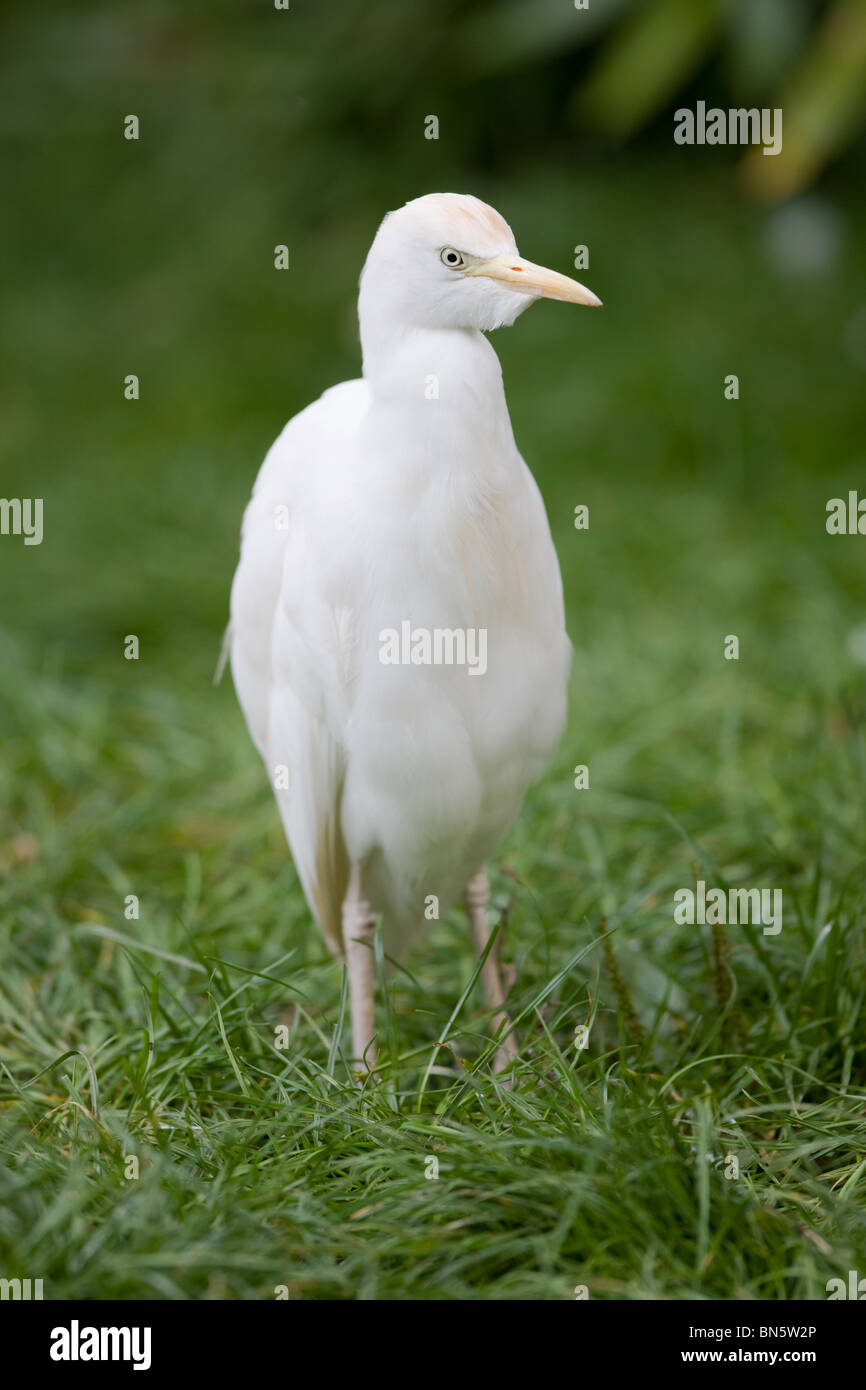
(535, 280)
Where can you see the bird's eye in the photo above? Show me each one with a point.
(453, 259)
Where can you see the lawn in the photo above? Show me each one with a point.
(177, 1118)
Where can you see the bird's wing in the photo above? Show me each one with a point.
(292, 643)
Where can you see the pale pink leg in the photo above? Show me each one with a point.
(359, 925)
(478, 901)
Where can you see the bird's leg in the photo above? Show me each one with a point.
(477, 902)
(359, 926)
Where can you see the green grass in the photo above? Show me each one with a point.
(262, 1167)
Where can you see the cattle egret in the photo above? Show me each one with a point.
(397, 631)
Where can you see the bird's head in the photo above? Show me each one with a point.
(447, 260)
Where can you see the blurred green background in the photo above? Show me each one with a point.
(260, 127)
(303, 127)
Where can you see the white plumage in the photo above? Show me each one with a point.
(396, 499)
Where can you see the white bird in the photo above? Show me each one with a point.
(397, 630)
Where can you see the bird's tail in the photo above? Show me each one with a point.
(224, 654)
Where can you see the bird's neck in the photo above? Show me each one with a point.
(441, 388)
